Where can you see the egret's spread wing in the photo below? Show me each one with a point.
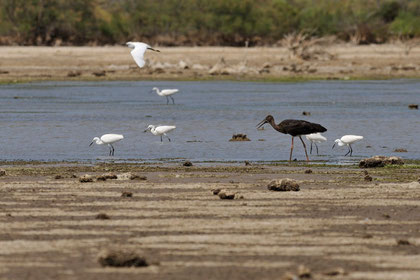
(138, 53)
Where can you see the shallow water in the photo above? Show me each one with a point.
(57, 120)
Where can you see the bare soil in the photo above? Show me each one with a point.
(20, 64)
(338, 226)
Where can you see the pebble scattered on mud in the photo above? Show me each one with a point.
(224, 194)
(380, 161)
(308, 171)
(283, 185)
(102, 216)
(126, 194)
(86, 178)
(187, 163)
(2, 172)
(121, 258)
(239, 137)
(403, 242)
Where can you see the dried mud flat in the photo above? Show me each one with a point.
(346, 61)
(338, 226)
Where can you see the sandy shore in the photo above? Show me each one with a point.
(338, 223)
(19, 64)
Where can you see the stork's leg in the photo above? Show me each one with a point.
(291, 150)
(304, 146)
(173, 101)
(311, 148)
(316, 149)
(167, 100)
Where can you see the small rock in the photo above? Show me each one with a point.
(367, 236)
(121, 258)
(283, 185)
(365, 172)
(57, 177)
(305, 113)
(215, 191)
(239, 137)
(368, 178)
(86, 178)
(413, 106)
(126, 194)
(247, 163)
(336, 271)
(187, 163)
(183, 65)
(2, 172)
(403, 242)
(102, 216)
(304, 272)
(224, 194)
(308, 171)
(400, 150)
(379, 161)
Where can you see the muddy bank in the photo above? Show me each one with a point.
(337, 224)
(346, 61)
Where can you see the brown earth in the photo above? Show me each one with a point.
(337, 224)
(345, 61)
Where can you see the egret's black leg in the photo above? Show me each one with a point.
(291, 150)
(316, 149)
(168, 138)
(311, 148)
(304, 146)
(173, 101)
(351, 150)
(167, 100)
(110, 150)
(113, 150)
(348, 152)
(161, 139)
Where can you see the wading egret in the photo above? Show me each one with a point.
(160, 130)
(347, 140)
(107, 139)
(138, 51)
(294, 128)
(167, 93)
(315, 138)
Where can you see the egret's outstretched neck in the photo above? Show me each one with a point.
(157, 91)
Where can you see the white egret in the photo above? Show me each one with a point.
(107, 139)
(138, 51)
(160, 130)
(166, 93)
(347, 140)
(315, 138)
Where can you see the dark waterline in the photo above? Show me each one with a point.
(57, 120)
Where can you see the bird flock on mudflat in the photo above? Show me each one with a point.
(295, 128)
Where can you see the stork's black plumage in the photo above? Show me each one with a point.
(294, 128)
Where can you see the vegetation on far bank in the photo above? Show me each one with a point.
(204, 22)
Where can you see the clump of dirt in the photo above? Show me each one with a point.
(403, 242)
(99, 73)
(305, 113)
(413, 106)
(215, 191)
(2, 172)
(58, 177)
(368, 178)
(283, 185)
(187, 163)
(380, 161)
(247, 163)
(308, 171)
(304, 272)
(126, 194)
(106, 176)
(86, 178)
(335, 272)
(239, 137)
(400, 150)
(74, 74)
(121, 258)
(102, 216)
(224, 194)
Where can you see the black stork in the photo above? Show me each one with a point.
(294, 128)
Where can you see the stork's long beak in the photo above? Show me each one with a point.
(263, 122)
(91, 144)
(152, 49)
(333, 146)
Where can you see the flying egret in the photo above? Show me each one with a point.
(166, 93)
(138, 51)
(160, 130)
(107, 139)
(294, 128)
(315, 138)
(347, 140)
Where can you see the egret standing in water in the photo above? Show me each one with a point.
(108, 139)
(160, 130)
(138, 51)
(166, 93)
(294, 128)
(315, 138)
(347, 140)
